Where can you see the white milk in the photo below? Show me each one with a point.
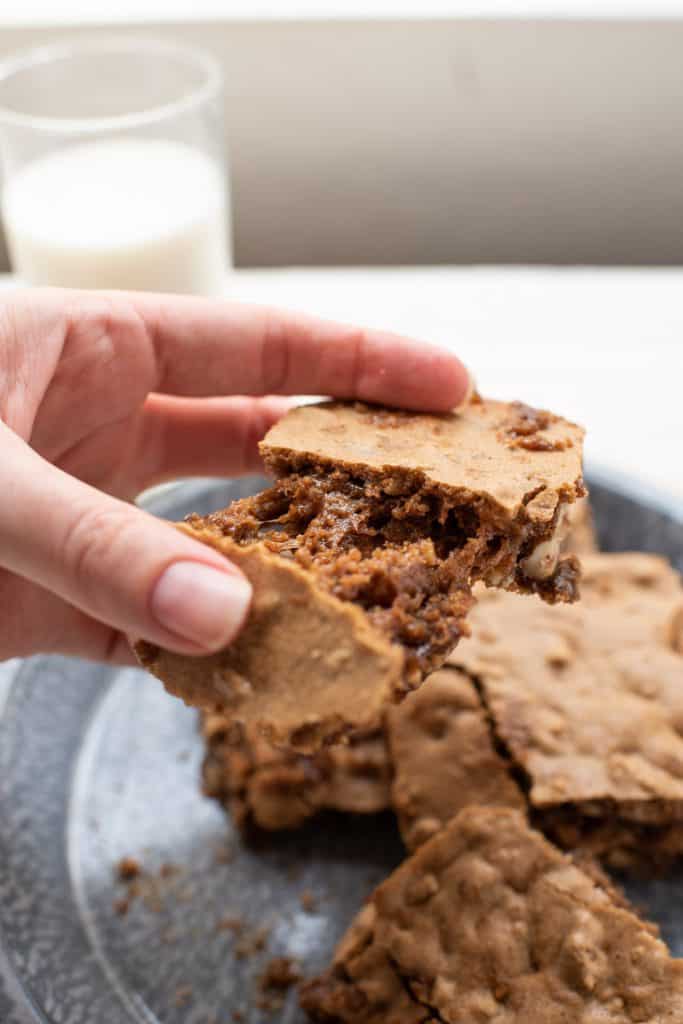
(119, 213)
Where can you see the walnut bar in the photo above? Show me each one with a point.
(364, 551)
(587, 703)
(490, 922)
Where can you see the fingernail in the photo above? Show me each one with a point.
(201, 604)
(471, 387)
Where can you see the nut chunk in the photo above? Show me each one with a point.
(363, 554)
(490, 922)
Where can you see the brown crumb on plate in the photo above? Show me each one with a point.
(127, 869)
(280, 974)
(308, 901)
(182, 996)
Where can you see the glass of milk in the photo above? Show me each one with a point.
(114, 173)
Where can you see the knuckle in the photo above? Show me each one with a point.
(356, 345)
(274, 352)
(102, 331)
(92, 549)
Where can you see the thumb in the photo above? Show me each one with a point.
(118, 564)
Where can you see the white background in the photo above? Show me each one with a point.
(52, 11)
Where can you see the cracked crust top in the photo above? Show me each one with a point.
(504, 452)
(589, 698)
(442, 751)
(490, 922)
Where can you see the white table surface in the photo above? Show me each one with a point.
(603, 347)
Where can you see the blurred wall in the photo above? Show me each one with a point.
(458, 141)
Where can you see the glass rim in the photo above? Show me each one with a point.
(40, 55)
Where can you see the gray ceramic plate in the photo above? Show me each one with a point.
(96, 765)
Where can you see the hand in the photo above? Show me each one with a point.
(104, 394)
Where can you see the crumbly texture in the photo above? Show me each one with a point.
(435, 746)
(269, 788)
(576, 713)
(300, 648)
(433, 755)
(441, 748)
(488, 922)
(382, 519)
(587, 703)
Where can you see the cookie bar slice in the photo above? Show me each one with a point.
(266, 787)
(363, 552)
(432, 755)
(587, 703)
(488, 921)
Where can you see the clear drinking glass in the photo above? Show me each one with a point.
(114, 166)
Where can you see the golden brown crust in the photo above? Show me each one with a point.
(301, 648)
(471, 451)
(490, 922)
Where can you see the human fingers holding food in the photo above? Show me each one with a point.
(103, 394)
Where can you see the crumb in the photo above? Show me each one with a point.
(182, 995)
(308, 901)
(231, 924)
(169, 870)
(237, 1016)
(280, 974)
(146, 889)
(224, 855)
(252, 943)
(270, 1002)
(127, 869)
(121, 906)
(184, 896)
(184, 755)
(294, 872)
(169, 936)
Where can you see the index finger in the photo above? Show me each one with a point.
(208, 347)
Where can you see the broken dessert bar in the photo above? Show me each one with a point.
(574, 712)
(434, 751)
(435, 747)
(490, 922)
(587, 703)
(269, 788)
(363, 552)
(585, 711)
